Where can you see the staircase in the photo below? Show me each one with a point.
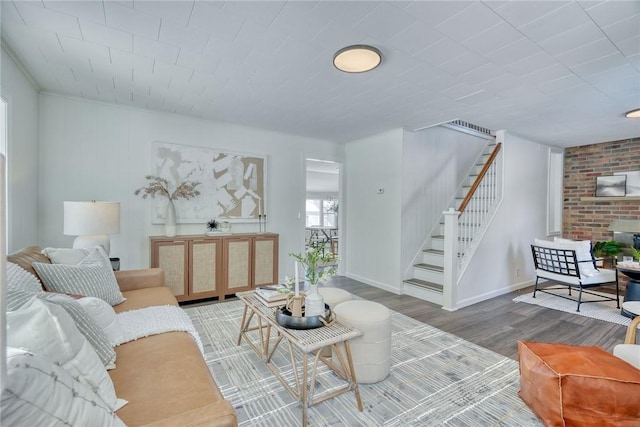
(428, 279)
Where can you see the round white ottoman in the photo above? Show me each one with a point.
(371, 352)
(333, 297)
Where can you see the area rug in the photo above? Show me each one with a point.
(436, 379)
(605, 310)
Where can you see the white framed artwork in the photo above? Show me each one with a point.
(232, 185)
(633, 182)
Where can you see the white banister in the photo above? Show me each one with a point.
(451, 262)
(464, 228)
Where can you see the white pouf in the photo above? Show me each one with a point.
(371, 352)
(333, 297)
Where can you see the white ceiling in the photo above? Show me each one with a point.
(322, 176)
(557, 72)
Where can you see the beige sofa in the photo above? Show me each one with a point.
(164, 377)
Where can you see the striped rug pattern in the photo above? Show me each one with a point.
(436, 379)
(604, 310)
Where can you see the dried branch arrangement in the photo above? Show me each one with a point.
(160, 187)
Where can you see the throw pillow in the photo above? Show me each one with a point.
(87, 326)
(105, 317)
(38, 392)
(582, 249)
(19, 279)
(83, 321)
(98, 255)
(89, 278)
(47, 330)
(65, 255)
(16, 299)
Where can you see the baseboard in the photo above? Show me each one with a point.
(488, 295)
(377, 284)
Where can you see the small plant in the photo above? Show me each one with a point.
(212, 224)
(160, 187)
(603, 249)
(318, 265)
(636, 253)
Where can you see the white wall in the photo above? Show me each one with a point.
(22, 154)
(101, 151)
(373, 220)
(520, 218)
(434, 163)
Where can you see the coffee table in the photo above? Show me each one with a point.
(306, 345)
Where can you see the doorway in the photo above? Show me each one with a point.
(323, 216)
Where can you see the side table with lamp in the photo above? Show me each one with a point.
(629, 269)
(91, 221)
(632, 292)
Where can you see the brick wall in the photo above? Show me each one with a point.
(588, 220)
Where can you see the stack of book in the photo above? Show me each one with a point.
(271, 296)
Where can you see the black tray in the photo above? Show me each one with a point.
(284, 318)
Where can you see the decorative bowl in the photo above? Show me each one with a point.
(284, 318)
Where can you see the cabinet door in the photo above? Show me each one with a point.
(172, 257)
(205, 268)
(265, 260)
(237, 264)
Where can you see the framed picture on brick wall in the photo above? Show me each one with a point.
(611, 186)
(633, 182)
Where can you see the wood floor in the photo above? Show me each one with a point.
(499, 323)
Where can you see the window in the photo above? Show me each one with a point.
(555, 191)
(322, 212)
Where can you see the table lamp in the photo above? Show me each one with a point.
(91, 221)
(627, 226)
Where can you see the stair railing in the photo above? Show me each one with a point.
(478, 205)
(486, 170)
(464, 226)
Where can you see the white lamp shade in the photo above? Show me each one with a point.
(625, 226)
(91, 218)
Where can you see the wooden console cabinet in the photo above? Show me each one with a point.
(197, 267)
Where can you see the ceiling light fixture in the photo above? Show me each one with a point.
(633, 114)
(358, 58)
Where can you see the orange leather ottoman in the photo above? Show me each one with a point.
(567, 385)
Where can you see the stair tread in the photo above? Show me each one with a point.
(439, 236)
(434, 251)
(432, 267)
(424, 284)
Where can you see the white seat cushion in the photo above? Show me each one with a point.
(629, 353)
(602, 276)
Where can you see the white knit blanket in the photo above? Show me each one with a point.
(156, 320)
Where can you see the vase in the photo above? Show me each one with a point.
(313, 302)
(170, 220)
